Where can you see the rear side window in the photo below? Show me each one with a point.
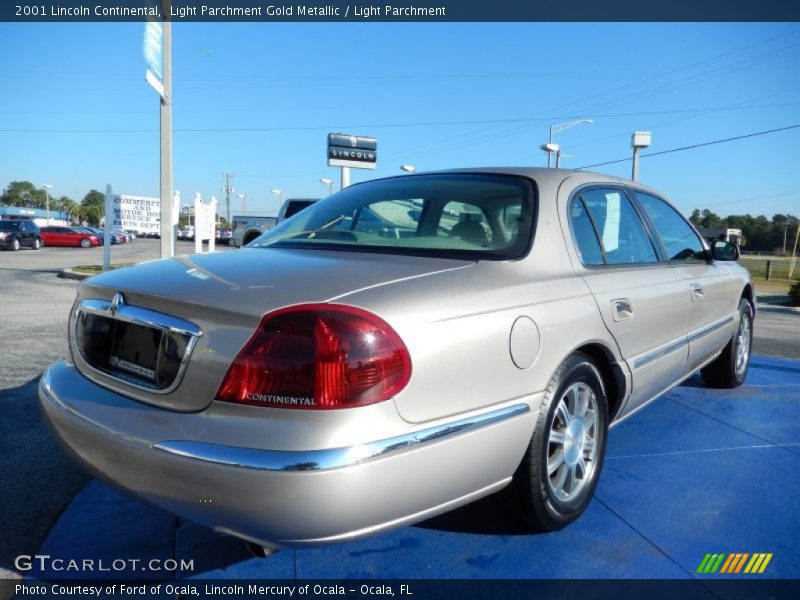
(678, 237)
(585, 238)
(619, 233)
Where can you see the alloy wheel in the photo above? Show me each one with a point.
(743, 345)
(572, 444)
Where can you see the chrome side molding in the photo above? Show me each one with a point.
(331, 458)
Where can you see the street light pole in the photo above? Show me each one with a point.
(244, 202)
(47, 187)
(279, 194)
(550, 147)
(329, 183)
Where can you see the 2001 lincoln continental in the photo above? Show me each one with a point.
(396, 350)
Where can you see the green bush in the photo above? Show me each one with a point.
(794, 292)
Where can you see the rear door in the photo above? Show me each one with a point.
(641, 298)
(26, 233)
(708, 284)
(54, 236)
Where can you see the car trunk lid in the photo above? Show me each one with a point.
(165, 332)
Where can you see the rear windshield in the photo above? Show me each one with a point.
(9, 225)
(455, 215)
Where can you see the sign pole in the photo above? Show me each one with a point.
(345, 178)
(167, 227)
(198, 218)
(109, 217)
(212, 216)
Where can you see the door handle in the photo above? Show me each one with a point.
(622, 309)
(697, 291)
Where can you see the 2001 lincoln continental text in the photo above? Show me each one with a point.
(396, 350)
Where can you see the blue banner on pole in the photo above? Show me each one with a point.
(152, 49)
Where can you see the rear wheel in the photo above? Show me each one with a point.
(729, 369)
(559, 472)
(250, 237)
(86, 243)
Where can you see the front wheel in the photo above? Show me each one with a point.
(729, 369)
(559, 472)
(15, 244)
(37, 243)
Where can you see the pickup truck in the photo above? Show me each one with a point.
(248, 228)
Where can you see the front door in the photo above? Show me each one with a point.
(708, 284)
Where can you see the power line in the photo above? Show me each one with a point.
(700, 145)
(418, 124)
(486, 133)
(696, 203)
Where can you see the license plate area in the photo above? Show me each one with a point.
(143, 354)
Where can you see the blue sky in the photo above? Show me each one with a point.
(405, 84)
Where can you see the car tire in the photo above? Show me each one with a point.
(86, 243)
(729, 369)
(15, 244)
(37, 243)
(550, 488)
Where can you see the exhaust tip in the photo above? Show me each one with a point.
(259, 551)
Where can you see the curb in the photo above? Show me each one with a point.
(72, 274)
(794, 310)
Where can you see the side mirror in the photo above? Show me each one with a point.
(721, 250)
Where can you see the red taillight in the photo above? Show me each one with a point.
(318, 356)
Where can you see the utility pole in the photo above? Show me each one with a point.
(785, 227)
(167, 208)
(228, 189)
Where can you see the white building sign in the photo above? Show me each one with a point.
(137, 213)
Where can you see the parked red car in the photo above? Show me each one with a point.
(68, 236)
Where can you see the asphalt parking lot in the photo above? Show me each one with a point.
(38, 481)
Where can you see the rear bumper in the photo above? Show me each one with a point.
(283, 497)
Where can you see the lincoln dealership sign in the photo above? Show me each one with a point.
(352, 151)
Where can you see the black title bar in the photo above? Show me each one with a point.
(399, 10)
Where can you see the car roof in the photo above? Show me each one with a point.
(542, 175)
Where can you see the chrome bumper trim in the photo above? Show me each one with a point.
(332, 458)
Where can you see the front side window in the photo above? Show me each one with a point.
(678, 237)
(616, 226)
(459, 215)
